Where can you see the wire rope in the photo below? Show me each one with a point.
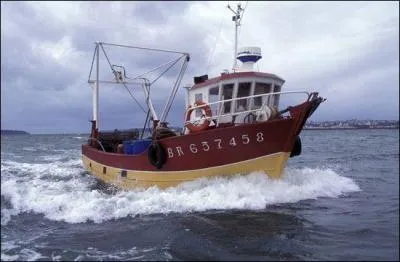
(112, 69)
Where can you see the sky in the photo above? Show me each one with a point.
(346, 51)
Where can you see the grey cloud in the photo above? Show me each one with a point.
(40, 94)
(20, 20)
(20, 62)
(159, 12)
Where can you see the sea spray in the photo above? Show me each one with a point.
(60, 192)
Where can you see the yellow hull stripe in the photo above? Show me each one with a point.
(272, 165)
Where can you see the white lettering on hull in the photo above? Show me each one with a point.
(179, 150)
(193, 148)
(170, 153)
(218, 143)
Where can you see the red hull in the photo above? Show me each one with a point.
(215, 147)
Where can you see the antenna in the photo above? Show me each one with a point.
(236, 18)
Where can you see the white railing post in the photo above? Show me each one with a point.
(221, 106)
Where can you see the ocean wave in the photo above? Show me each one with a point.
(25, 254)
(73, 200)
(32, 149)
(37, 148)
(35, 171)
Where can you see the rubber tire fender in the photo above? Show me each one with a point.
(296, 147)
(156, 155)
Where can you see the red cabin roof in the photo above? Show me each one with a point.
(235, 75)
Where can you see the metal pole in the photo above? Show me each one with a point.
(234, 55)
(148, 101)
(93, 86)
(145, 48)
(236, 18)
(96, 90)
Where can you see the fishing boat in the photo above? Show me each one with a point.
(233, 123)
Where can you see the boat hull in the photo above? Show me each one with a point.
(231, 150)
(272, 165)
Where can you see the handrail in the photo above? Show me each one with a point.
(253, 96)
(240, 98)
(91, 138)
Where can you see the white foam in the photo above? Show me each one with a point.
(6, 215)
(27, 254)
(36, 148)
(5, 257)
(29, 149)
(52, 157)
(67, 196)
(37, 171)
(24, 255)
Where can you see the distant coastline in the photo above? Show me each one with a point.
(347, 128)
(14, 132)
(352, 124)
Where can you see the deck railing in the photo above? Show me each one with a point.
(233, 112)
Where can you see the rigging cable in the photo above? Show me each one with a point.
(241, 20)
(91, 67)
(176, 61)
(148, 111)
(148, 97)
(145, 48)
(174, 91)
(152, 70)
(211, 56)
(145, 123)
(112, 69)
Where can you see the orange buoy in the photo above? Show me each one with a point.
(207, 113)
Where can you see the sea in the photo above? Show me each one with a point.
(338, 200)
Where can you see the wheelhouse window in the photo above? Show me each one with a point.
(243, 91)
(261, 88)
(213, 96)
(276, 97)
(198, 97)
(227, 93)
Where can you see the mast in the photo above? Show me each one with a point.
(96, 89)
(236, 18)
